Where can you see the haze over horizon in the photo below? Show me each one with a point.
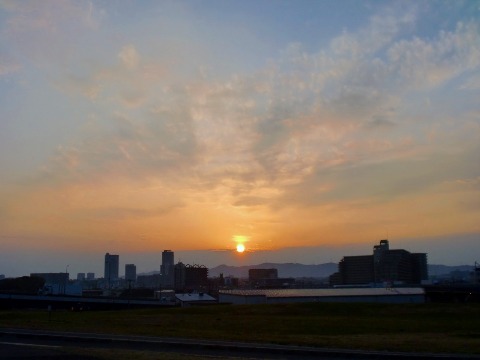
(305, 130)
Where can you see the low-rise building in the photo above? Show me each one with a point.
(189, 299)
(55, 283)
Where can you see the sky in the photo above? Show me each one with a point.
(306, 130)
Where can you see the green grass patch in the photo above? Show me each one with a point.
(442, 328)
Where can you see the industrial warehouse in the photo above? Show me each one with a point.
(371, 295)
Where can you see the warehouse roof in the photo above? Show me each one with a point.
(270, 293)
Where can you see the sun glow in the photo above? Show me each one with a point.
(240, 248)
(240, 240)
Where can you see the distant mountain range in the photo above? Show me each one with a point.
(296, 270)
(284, 270)
(318, 271)
(438, 270)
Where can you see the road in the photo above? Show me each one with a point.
(16, 350)
(36, 344)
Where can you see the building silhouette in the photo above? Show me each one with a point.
(196, 277)
(167, 269)
(180, 272)
(384, 266)
(356, 269)
(55, 282)
(149, 281)
(130, 273)
(190, 277)
(111, 269)
(259, 274)
(268, 279)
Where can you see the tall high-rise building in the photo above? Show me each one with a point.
(111, 269)
(130, 273)
(167, 269)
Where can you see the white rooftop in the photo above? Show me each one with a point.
(191, 297)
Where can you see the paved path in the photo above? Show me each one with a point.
(39, 341)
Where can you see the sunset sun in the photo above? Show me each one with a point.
(240, 240)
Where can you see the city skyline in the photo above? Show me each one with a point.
(152, 261)
(300, 130)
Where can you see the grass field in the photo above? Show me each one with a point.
(442, 328)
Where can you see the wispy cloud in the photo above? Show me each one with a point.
(162, 134)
